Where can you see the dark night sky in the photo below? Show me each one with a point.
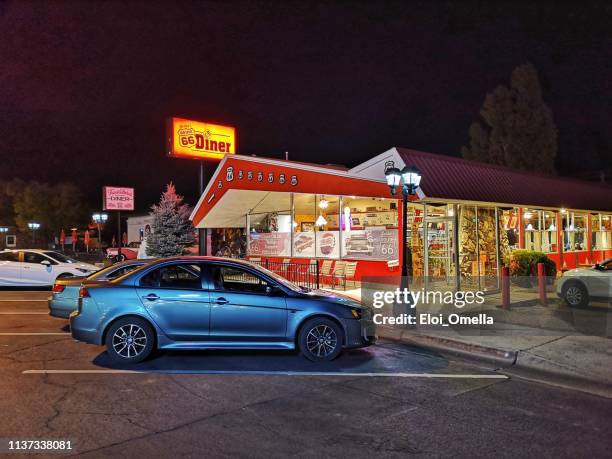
(85, 86)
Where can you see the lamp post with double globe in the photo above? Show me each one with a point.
(410, 179)
(98, 219)
(34, 226)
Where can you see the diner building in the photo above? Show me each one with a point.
(464, 221)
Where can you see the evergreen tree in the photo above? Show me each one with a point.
(516, 128)
(172, 230)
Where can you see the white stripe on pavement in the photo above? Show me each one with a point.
(34, 334)
(21, 301)
(10, 313)
(271, 373)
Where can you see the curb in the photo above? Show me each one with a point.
(521, 364)
(450, 346)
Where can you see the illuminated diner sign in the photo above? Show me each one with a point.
(199, 140)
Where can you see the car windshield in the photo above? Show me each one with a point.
(280, 279)
(60, 257)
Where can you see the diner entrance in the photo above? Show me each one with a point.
(440, 261)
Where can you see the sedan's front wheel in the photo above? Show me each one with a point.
(575, 294)
(320, 339)
(130, 340)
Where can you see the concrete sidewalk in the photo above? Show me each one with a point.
(554, 343)
(578, 362)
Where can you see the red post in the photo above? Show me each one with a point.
(542, 284)
(505, 287)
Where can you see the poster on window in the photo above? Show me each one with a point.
(374, 243)
(328, 244)
(304, 244)
(270, 244)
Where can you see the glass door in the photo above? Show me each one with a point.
(441, 267)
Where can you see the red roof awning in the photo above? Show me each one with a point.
(445, 177)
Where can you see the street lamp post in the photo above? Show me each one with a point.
(34, 226)
(98, 219)
(411, 178)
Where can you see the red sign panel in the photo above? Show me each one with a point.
(117, 198)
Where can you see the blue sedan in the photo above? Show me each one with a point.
(216, 303)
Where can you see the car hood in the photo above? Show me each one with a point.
(580, 272)
(337, 298)
(85, 266)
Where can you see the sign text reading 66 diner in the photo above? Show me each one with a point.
(199, 140)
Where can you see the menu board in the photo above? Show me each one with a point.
(374, 243)
(270, 244)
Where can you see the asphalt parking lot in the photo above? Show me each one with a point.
(389, 400)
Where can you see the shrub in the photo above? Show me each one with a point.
(524, 263)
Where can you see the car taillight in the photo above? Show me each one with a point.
(58, 288)
(83, 292)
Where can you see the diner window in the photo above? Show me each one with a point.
(327, 226)
(269, 224)
(601, 232)
(531, 228)
(369, 228)
(574, 231)
(508, 229)
(304, 218)
(540, 230)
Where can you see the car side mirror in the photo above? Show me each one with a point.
(45, 262)
(273, 290)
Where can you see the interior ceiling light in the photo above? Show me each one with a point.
(323, 204)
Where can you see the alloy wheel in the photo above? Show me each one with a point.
(321, 340)
(129, 341)
(573, 295)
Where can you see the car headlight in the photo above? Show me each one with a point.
(356, 313)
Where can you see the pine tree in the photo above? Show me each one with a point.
(516, 128)
(172, 230)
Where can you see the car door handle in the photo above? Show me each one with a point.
(220, 300)
(151, 297)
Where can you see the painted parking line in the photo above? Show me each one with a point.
(11, 313)
(273, 373)
(35, 334)
(22, 301)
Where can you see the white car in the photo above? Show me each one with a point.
(578, 286)
(39, 267)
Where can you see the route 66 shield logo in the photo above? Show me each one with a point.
(294, 180)
(229, 176)
(281, 179)
(240, 174)
(260, 176)
(250, 175)
(270, 177)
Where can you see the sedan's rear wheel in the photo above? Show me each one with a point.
(130, 340)
(575, 294)
(320, 339)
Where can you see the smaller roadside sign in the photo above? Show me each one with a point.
(117, 198)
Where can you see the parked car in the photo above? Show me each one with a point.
(65, 292)
(578, 286)
(33, 267)
(208, 302)
(129, 252)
